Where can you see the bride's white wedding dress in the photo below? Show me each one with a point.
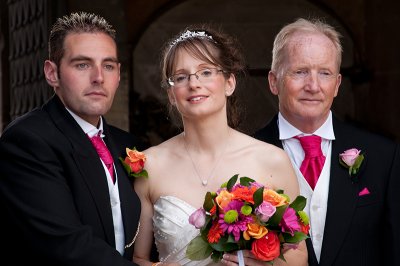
(172, 230)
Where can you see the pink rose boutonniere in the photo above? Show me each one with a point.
(134, 163)
(352, 160)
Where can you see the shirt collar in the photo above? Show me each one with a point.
(287, 130)
(88, 128)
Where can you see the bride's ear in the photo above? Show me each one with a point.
(171, 96)
(230, 85)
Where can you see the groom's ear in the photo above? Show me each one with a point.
(51, 73)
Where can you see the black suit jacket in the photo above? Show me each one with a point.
(359, 230)
(54, 193)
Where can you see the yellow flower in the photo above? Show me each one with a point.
(254, 230)
(274, 198)
(224, 198)
(135, 155)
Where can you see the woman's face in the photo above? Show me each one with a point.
(204, 94)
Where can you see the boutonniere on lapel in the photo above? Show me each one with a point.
(352, 160)
(134, 163)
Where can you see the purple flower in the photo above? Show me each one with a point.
(265, 211)
(198, 218)
(239, 224)
(289, 222)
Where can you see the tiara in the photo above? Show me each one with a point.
(191, 34)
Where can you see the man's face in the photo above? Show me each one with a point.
(309, 81)
(89, 74)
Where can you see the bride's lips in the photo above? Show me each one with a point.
(197, 98)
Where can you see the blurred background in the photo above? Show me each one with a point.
(369, 94)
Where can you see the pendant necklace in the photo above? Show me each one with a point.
(204, 182)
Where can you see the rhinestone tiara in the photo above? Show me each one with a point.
(191, 34)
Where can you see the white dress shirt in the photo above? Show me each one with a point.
(115, 203)
(316, 206)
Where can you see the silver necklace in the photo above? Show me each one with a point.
(204, 182)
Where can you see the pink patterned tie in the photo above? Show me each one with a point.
(104, 154)
(314, 160)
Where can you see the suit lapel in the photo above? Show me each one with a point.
(270, 133)
(341, 201)
(129, 200)
(87, 161)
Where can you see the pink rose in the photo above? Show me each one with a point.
(198, 218)
(349, 156)
(265, 211)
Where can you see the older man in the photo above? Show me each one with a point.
(354, 214)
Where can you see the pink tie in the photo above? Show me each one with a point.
(314, 160)
(104, 154)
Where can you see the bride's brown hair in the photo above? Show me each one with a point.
(212, 45)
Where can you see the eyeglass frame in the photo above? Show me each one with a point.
(187, 78)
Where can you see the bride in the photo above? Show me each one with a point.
(199, 71)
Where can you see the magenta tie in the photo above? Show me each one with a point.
(104, 154)
(314, 160)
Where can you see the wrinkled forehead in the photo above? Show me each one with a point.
(310, 46)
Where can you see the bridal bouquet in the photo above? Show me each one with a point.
(248, 216)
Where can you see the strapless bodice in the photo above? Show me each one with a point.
(172, 230)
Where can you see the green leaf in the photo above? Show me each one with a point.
(258, 197)
(296, 238)
(126, 166)
(224, 247)
(358, 161)
(232, 182)
(285, 196)
(143, 173)
(277, 217)
(245, 181)
(216, 256)
(281, 257)
(299, 203)
(198, 249)
(279, 191)
(208, 202)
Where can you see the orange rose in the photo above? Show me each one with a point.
(274, 198)
(254, 230)
(135, 160)
(224, 198)
(266, 248)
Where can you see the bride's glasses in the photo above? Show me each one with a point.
(203, 75)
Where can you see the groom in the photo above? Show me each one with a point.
(61, 202)
(354, 218)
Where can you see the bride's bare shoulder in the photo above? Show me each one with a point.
(258, 145)
(160, 154)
